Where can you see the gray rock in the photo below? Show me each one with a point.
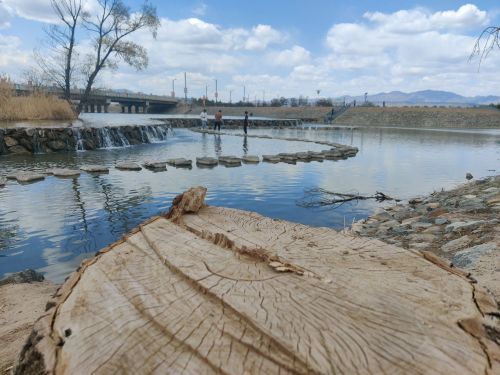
(458, 226)
(469, 176)
(56, 145)
(271, 158)
(9, 141)
(155, 164)
(420, 225)
(207, 161)
(128, 166)
(250, 159)
(63, 172)
(468, 257)
(93, 168)
(3, 181)
(19, 150)
(180, 162)
(25, 177)
(441, 221)
(26, 276)
(456, 244)
(472, 204)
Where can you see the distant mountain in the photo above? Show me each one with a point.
(427, 97)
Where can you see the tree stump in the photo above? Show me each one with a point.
(217, 290)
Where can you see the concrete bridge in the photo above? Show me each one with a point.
(100, 100)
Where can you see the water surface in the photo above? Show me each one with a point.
(54, 224)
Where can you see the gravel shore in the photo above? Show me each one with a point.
(460, 225)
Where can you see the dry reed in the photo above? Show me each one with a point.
(37, 106)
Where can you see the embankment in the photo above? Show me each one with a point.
(301, 113)
(29, 141)
(421, 117)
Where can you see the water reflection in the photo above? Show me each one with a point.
(54, 224)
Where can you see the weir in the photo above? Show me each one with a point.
(39, 140)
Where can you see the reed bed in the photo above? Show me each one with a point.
(37, 106)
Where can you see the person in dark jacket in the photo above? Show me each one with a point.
(245, 122)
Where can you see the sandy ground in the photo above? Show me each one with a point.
(20, 306)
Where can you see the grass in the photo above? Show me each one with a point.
(34, 107)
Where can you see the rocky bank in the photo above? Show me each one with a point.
(460, 225)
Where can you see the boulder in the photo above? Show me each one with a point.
(458, 226)
(92, 168)
(180, 162)
(56, 145)
(128, 166)
(207, 161)
(271, 158)
(63, 172)
(3, 181)
(155, 164)
(19, 150)
(456, 244)
(9, 141)
(466, 258)
(250, 159)
(26, 276)
(26, 177)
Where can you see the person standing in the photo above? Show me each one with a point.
(245, 122)
(203, 118)
(218, 120)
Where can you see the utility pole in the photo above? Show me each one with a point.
(216, 93)
(173, 88)
(230, 96)
(263, 97)
(244, 93)
(185, 89)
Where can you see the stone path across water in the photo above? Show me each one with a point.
(336, 152)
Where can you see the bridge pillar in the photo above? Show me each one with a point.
(129, 109)
(92, 108)
(123, 109)
(99, 108)
(106, 108)
(137, 108)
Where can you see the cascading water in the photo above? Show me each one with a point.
(112, 137)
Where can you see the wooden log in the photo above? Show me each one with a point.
(214, 290)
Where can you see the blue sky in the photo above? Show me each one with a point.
(288, 48)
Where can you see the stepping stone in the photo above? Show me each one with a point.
(180, 162)
(229, 159)
(155, 164)
(63, 172)
(207, 161)
(26, 177)
(250, 159)
(271, 158)
(3, 181)
(11, 176)
(94, 168)
(316, 155)
(332, 154)
(128, 166)
(302, 156)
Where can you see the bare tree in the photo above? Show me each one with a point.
(110, 27)
(58, 66)
(488, 40)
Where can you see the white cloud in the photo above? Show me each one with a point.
(12, 56)
(262, 36)
(200, 9)
(290, 57)
(36, 10)
(6, 14)
(419, 20)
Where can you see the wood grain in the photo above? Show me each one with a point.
(232, 292)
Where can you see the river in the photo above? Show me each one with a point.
(53, 225)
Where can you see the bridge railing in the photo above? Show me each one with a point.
(95, 93)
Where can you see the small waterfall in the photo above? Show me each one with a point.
(119, 136)
(79, 140)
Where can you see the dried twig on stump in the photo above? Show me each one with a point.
(318, 197)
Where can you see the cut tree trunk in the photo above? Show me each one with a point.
(214, 290)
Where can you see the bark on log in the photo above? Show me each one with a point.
(227, 291)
